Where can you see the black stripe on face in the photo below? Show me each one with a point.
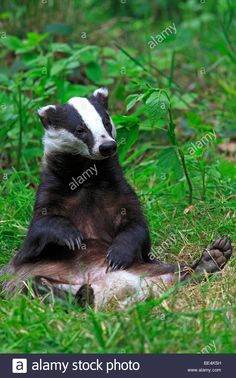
(103, 114)
(67, 117)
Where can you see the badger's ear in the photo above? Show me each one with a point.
(101, 95)
(47, 115)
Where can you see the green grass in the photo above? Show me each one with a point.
(187, 319)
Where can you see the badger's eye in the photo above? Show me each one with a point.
(80, 130)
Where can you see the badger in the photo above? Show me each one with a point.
(88, 235)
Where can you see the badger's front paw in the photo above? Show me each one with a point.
(119, 257)
(70, 237)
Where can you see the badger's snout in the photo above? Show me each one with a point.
(108, 148)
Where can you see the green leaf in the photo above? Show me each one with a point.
(58, 66)
(168, 163)
(61, 47)
(132, 100)
(126, 139)
(12, 43)
(5, 15)
(86, 54)
(127, 121)
(157, 106)
(35, 38)
(94, 72)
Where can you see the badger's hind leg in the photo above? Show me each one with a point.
(50, 291)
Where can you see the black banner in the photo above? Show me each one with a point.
(118, 365)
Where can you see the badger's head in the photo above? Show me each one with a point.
(81, 126)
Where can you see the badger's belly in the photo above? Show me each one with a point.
(96, 216)
(95, 228)
(125, 286)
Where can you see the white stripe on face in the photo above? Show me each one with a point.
(93, 121)
(63, 141)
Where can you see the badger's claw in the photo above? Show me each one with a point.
(67, 243)
(119, 258)
(72, 243)
(78, 242)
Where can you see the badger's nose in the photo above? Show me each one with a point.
(107, 148)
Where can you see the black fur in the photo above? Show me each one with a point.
(104, 207)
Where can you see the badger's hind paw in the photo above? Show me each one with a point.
(215, 256)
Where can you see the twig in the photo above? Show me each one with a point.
(190, 187)
(21, 127)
